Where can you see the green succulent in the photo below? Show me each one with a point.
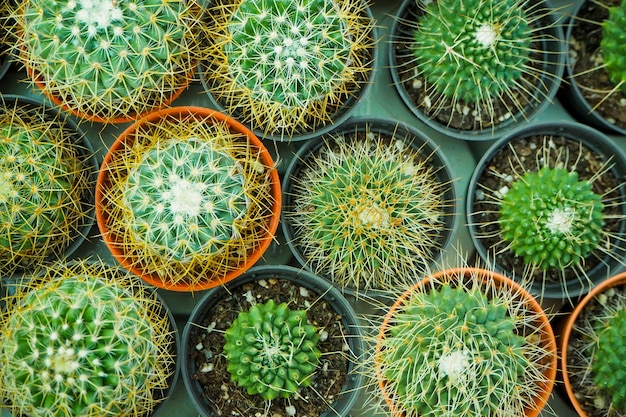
(613, 38)
(472, 50)
(185, 198)
(609, 359)
(551, 219)
(272, 350)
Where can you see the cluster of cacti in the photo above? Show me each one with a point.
(84, 340)
(461, 349)
(186, 199)
(110, 60)
(613, 34)
(551, 219)
(272, 350)
(287, 67)
(45, 186)
(368, 211)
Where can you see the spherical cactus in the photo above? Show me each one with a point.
(367, 211)
(551, 219)
(472, 50)
(110, 60)
(84, 340)
(609, 360)
(287, 67)
(45, 186)
(613, 38)
(272, 350)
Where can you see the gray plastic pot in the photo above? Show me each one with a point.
(352, 388)
(596, 142)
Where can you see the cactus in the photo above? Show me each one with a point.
(45, 186)
(186, 199)
(367, 212)
(110, 60)
(84, 340)
(287, 67)
(271, 350)
(613, 35)
(609, 365)
(551, 219)
(459, 347)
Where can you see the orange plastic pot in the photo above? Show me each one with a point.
(566, 334)
(490, 280)
(113, 240)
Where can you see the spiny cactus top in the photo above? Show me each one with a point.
(81, 344)
(110, 59)
(185, 197)
(609, 360)
(367, 211)
(455, 351)
(551, 219)
(272, 350)
(472, 50)
(286, 66)
(613, 38)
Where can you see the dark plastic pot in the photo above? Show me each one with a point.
(418, 141)
(350, 392)
(552, 61)
(596, 142)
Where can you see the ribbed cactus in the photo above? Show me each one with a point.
(462, 349)
(110, 60)
(609, 362)
(551, 219)
(84, 340)
(367, 211)
(613, 36)
(271, 350)
(45, 186)
(286, 67)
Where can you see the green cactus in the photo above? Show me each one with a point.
(110, 59)
(185, 197)
(609, 362)
(272, 350)
(551, 219)
(613, 37)
(472, 50)
(366, 212)
(286, 67)
(84, 341)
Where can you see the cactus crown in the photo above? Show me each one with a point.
(551, 219)
(110, 58)
(367, 211)
(472, 49)
(613, 38)
(83, 344)
(609, 363)
(272, 350)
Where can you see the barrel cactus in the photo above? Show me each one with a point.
(287, 67)
(271, 350)
(551, 219)
(45, 186)
(613, 34)
(110, 60)
(84, 340)
(609, 365)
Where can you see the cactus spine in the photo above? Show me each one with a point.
(84, 340)
(271, 350)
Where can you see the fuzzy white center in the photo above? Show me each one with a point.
(453, 364)
(185, 197)
(97, 13)
(561, 220)
(64, 361)
(486, 35)
(373, 216)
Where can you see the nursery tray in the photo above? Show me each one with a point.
(381, 100)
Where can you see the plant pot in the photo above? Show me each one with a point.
(580, 149)
(418, 312)
(85, 294)
(49, 171)
(369, 204)
(259, 84)
(585, 93)
(110, 62)
(156, 177)
(258, 284)
(452, 113)
(576, 346)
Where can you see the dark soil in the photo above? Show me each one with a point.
(230, 400)
(530, 154)
(584, 48)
